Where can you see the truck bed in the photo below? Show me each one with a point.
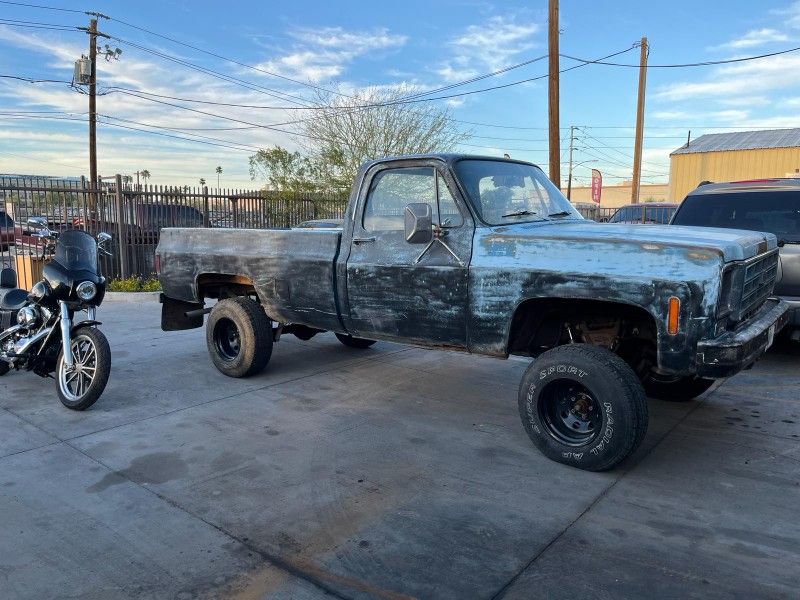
(293, 270)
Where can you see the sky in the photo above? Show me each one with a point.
(355, 45)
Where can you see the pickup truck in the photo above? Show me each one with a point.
(485, 255)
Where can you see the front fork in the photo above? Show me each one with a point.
(66, 339)
(66, 336)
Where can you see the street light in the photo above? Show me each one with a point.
(569, 181)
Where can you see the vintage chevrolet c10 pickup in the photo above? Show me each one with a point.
(486, 256)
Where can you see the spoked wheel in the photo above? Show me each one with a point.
(81, 386)
(572, 415)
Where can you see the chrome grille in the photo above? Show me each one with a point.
(757, 284)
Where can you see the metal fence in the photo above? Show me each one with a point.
(135, 214)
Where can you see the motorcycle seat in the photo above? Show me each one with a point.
(13, 299)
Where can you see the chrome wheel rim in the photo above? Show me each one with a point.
(75, 383)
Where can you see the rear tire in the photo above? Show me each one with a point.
(239, 337)
(583, 406)
(680, 389)
(353, 342)
(82, 387)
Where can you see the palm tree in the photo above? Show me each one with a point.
(145, 174)
(219, 172)
(202, 181)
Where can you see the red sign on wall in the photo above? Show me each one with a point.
(597, 185)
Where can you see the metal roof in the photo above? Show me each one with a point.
(742, 140)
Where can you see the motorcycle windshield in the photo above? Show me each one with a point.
(76, 250)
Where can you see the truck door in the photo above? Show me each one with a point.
(409, 292)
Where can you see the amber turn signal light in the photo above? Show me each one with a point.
(673, 315)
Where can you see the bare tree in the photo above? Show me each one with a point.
(364, 125)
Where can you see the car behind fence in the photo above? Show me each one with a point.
(135, 214)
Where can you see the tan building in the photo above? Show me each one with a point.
(734, 156)
(614, 196)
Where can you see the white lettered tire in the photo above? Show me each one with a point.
(583, 406)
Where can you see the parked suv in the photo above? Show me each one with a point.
(771, 205)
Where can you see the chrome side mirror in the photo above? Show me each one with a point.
(418, 223)
(102, 239)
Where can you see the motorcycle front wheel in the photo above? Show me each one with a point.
(80, 387)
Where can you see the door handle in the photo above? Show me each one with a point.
(363, 240)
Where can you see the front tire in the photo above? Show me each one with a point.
(239, 337)
(353, 342)
(679, 389)
(583, 406)
(81, 387)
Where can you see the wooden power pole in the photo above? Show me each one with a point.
(553, 100)
(637, 147)
(92, 31)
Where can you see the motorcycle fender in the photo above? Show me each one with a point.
(86, 323)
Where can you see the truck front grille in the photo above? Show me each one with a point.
(757, 285)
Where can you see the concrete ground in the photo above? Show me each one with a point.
(393, 472)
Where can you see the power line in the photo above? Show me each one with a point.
(684, 65)
(72, 10)
(30, 80)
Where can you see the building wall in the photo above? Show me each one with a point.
(687, 170)
(614, 196)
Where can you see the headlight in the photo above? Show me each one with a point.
(86, 290)
(27, 316)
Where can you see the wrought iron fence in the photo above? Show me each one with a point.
(135, 214)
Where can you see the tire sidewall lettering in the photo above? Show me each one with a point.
(531, 409)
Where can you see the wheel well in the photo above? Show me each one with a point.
(216, 285)
(539, 324)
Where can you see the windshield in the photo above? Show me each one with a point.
(643, 214)
(76, 250)
(507, 192)
(773, 212)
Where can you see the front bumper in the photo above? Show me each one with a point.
(733, 351)
(794, 311)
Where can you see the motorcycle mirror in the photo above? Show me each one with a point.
(37, 222)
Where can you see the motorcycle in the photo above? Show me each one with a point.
(39, 331)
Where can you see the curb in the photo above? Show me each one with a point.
(131, 297)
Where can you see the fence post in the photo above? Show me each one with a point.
(206, 217)
(122, 238)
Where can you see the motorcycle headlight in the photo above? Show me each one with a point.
(86, 290)
(27, 316)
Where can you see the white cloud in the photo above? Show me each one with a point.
(789, 15)
(756, 37)
(490, 46)
(322, 54)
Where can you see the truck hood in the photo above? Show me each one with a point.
(730, 244)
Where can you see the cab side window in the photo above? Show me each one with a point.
(392, 190)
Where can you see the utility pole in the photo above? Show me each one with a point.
(571, 148)
(92, 31)
(637, 147)
(552, 97)
(92, 85)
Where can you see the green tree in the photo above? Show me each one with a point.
(285, 171)
(202, 181)
(219, 172)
